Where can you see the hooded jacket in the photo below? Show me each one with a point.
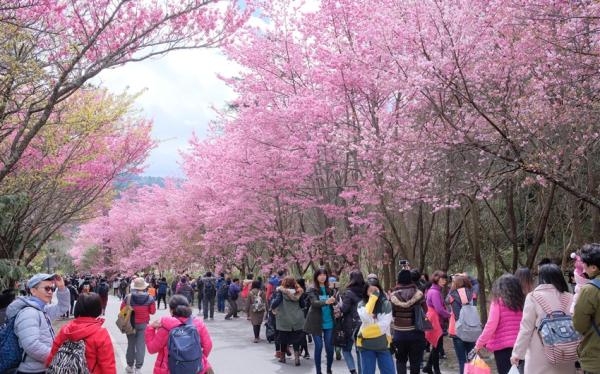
(404, 300)
(99, 352)
(33, 327)
(156, 341)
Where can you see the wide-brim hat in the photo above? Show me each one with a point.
(139, 284)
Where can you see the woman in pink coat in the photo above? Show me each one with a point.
(157, 335)
(554, 292)
(502, 327)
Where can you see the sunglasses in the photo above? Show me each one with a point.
(49, 288)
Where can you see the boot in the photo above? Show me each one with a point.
(282, 358)
(296, 358)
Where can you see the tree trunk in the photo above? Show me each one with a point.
(474, 239)
(541, 228)
(512, 223)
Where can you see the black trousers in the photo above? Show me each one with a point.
(503, 360)
(434, 357)
(256, 329)
(409, 348)
(163, 297)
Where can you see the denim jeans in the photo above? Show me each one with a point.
(328, 339)
(372, 359)
(221, 303)
(136, 346)
(347, 352)
(462, 349)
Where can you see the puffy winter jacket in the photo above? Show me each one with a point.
(99, 351)
(33, 327)
(156, 341)
(143, 305)
(404, 301)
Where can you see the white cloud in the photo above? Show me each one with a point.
(180, 90)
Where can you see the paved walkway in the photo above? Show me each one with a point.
(233, 350)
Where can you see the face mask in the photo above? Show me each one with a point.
(291, 292)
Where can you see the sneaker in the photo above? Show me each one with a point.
(138, 371)
(129, 369)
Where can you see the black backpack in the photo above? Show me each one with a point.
(210, 289)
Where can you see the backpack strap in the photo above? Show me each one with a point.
(464, 299)
(564, 303)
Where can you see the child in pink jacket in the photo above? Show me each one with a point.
(157, 335)
(502, 328)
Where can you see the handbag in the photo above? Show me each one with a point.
(477, 366)
(340, 338)
(422, 323)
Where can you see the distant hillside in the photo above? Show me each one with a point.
(138, 180)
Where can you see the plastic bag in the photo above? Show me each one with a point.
(514, 370)
(477, 366)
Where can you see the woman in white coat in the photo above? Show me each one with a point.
(553, 290)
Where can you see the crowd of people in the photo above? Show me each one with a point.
(542, 324)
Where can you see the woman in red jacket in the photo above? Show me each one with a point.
(157, 335)
(88, 327)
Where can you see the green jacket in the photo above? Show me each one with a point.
(289, 315)
(587, 309)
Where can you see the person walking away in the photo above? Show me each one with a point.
(115, 284)
(273, 283)
(290, 317)
(409, 342)
(525, 279)
(552, 294)
(161, 293)
(246, 286)
(87, 327)
(33, 319)
(185, 290)
(152, 289)
(159, 331)
(437, 314)
(233, 294)
(373, 339)
(123, 288)
(209, 288)
(319, 320)
(221, 296)
(586, 317)
(143, 306)
(504, 319)
(255, 308)
(74, 295)
(461, 294)
(103, 290)
(351, 297)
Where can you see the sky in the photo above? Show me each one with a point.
(179, 92)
